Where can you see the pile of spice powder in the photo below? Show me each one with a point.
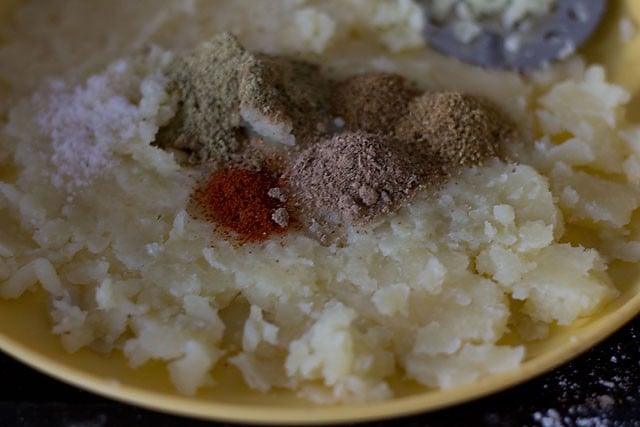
(242, 203)
(355, 175)
(372, 102)
(283, 99)
(206, 81)
(226, 95)
(456, 128)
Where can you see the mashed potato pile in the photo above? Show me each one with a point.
(96, 216)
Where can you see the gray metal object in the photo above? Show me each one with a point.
(547, 38)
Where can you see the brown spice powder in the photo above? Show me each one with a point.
(457, 128)
(287, 93)
(372, 102)
(354, 175)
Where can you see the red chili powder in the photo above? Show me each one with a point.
(237, 200)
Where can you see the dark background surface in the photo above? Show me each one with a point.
(599, 388)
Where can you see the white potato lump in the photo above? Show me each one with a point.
(95, 216)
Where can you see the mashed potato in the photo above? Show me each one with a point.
(96, 216)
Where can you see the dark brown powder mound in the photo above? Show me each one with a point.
(284, 99)
(458, 128)
(353, 177)
(372, 102)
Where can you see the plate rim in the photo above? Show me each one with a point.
(586, 336)
(597, 329)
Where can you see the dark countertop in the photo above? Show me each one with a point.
(599, 388)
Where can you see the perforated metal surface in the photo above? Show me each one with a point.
(549, 37)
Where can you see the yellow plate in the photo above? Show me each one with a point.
(25, 330)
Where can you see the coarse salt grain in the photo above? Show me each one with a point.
(550, 419)
(592, 400)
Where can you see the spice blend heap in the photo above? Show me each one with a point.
(348, 150)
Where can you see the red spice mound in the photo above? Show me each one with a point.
(238, 201)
